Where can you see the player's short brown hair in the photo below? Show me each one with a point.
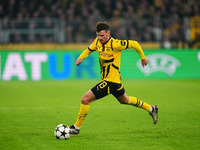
(102, 26)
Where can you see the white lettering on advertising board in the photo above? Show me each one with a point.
(159, 63)
(14, 67)
(36, 59)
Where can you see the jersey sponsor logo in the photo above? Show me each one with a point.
(105, 54)
(160, 63)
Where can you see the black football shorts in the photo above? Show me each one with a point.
(104, 88)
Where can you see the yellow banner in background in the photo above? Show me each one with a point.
(51, 46)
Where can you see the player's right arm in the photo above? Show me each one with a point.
(83, 55)
(87, 52)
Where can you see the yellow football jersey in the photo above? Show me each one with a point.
(110, 56)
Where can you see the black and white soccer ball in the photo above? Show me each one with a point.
(62, 132)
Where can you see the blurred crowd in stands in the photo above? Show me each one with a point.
(165, 21)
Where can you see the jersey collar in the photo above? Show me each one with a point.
(107, 41)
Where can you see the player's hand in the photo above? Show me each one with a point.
(144, 62)
(78, 61)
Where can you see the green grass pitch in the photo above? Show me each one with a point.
(30, 111)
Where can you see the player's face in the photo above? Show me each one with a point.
(103, 36)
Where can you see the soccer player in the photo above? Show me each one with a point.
(109, 50)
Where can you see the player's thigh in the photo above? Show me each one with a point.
(88, 98)
(100, 90)
(123, 99)
(117, 89)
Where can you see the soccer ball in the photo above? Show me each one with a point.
(62, 132)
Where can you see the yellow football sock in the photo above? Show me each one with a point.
(82, 114)
(138, 103)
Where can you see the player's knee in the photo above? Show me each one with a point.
(123, 102)
(123, 99)
(85, 99)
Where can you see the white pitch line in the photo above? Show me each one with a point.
(58, 107)
(36, 108)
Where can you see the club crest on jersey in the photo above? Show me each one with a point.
(123, 43)
(107, 49)
(160, 63)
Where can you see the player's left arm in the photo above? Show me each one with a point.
(138, 48)
(127, 44)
